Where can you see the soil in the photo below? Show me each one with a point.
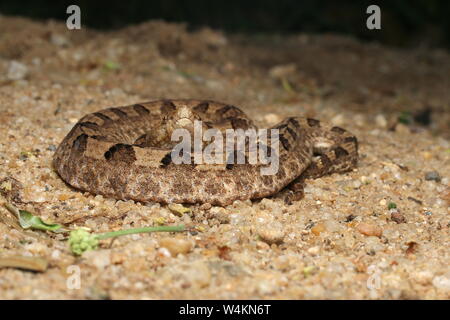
(343, 240)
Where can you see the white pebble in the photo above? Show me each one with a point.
(381, 121)
(441, 282)
(272, 118)
(17, 71)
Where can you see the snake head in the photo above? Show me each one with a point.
(182, 117)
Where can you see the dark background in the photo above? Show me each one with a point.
(406, 23)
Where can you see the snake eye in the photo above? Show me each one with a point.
(340, 152)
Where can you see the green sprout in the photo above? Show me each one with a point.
(81, 240)
(111, 65)
(405, 117)
(392, 205)
(27, 220)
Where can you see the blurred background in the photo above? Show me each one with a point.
(405, 23)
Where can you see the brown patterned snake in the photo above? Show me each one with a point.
(124, 153)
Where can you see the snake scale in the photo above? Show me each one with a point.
(124, 153)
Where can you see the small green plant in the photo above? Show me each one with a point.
(81, 240)
(405, 117)
(392, 205)
(29, 221)
(111, 65)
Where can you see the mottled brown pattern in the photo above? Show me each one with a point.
(121, 152)
(202, 107)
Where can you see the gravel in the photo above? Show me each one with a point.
(325, 246)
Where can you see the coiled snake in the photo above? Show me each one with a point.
(125, 153)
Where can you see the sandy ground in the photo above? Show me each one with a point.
(341, 241)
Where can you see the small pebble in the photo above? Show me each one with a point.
(314, 250)
(398, 217)
(260, 245)
(176, 246)
(178, 209)
(423, 277)
(427, 155)
(51, 147)
(164, 252)
(402, 129)
(373, 245)
(272, 118)
(271, 235)
(205, 206)
(220, 214)
(365, 180)
(59, 40)
(64, 197)
(433, 176)
(442, 282)
(332, 225)
(17, 71)
(360, 120)
(357, 184)
(369, 229)
(318, 229)
(381, 121)
(281, 71)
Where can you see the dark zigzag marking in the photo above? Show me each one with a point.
(168, 106)
(79, 144)
(89, 124)
(99, 138)
(202, 107)
(239, 123)
(119, 113)
(102, 116)
(338, 130)
(352, 139)
(292, 132)
(121, 152)
(313, 122)
(285, 143)
(294, 122)
(141, 110)
(222, 111)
